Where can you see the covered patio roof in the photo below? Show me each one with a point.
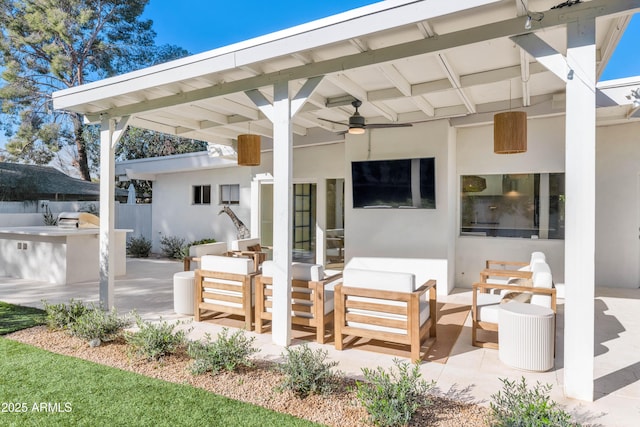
(407, 61)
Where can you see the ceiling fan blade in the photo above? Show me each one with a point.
(387, 125)
(333, 121)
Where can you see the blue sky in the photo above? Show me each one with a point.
(201, 25)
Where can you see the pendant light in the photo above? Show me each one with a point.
(248, 149)
(510, 131)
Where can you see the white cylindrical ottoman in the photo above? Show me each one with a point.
(184, 292)
(526, 333)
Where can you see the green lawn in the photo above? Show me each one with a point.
(40, 388)
(16, 317)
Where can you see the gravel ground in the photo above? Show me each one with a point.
(253, 385)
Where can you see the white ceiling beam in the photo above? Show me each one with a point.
(425, 29)
(424, 105)
(522, 7)
(346, 84)
(359, 44)
(303, 94)
(234, 107)
(455, 82)
(553, 60)
(211, 115)
(396, 78)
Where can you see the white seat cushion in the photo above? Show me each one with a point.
(488, 306)
(227, 264)
(384, 281)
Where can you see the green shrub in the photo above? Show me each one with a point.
(139, 247)
(516, 405)
(306, 372)
(226, 353)
(62, 316)
(392, 398)
(173, 247)
(202, 242)
(96, 325)
(155, 340)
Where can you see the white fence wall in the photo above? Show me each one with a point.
(136, 218)
(27, 214)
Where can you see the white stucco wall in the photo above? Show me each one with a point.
(175, 215)
(545, 153)
(618, 206)
(424, 233)
(410, 233)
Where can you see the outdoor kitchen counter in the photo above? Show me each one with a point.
(57, 255)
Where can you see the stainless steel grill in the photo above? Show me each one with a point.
(78, 220)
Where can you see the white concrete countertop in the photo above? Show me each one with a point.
(45, 230)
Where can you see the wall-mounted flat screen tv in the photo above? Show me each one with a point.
(402, 183)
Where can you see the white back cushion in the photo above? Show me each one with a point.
(380, 280)
(542, 278)
(423, 269)
(243, 244)
(299, 271)
(227, 264)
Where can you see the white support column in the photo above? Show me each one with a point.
(580, 211)
(107, 213)
(282, 214)
(110, 133)
(280, 114)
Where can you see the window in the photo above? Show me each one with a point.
(230, 194)
(201, 194)
(513, 205)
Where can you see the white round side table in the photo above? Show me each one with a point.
(184, 292)
(526, 336)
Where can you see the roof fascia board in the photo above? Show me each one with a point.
(506, 28)
(358, 22)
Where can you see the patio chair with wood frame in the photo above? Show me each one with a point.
(249, 248)
(225, 285)
(385, 306)
(312, 299)
(513, 272)
(485, 306)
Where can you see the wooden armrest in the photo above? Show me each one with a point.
(489, 272)
(489, 262)
(330, 279)
(514, 288)
(426, 286)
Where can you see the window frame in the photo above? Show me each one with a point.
(201, 194)
(229, 188)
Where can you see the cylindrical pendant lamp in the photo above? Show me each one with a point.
(248, 150)
(510, 132)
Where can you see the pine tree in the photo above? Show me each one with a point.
(49, 45)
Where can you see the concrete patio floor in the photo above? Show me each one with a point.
(471, 374)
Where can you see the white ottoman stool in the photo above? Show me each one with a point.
(184, 292)
(526, 336)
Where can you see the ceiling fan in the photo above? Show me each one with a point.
(357, 124)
